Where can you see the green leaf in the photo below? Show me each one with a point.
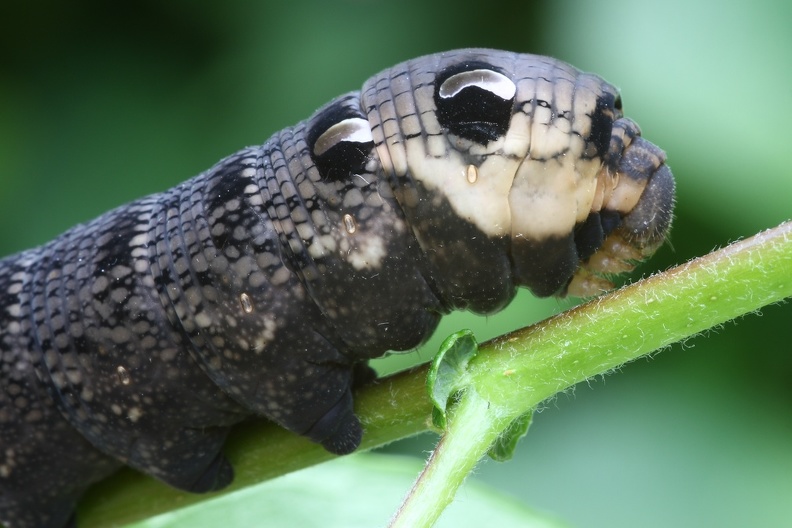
(448, 373)
(503, 448)
(366, 489)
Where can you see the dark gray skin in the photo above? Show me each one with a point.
(262, 286)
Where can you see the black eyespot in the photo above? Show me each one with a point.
(474, 101)
(340, 140)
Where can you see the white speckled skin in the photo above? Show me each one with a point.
(264, 284)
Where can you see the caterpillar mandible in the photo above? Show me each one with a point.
(263, 285)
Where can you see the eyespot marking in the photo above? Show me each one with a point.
(353, 130)
(339, 139)
(474, 101)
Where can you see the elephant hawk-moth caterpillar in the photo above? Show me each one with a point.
(263, 285)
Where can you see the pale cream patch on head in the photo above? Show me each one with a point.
(517, 143)
(585, 191)
(626, 194)
(551, 194)
(543, 200)
(485, 203)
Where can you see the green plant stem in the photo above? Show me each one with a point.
(521, 369)
(514, 373)
(450, 463)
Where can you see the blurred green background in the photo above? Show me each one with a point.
(103, 102)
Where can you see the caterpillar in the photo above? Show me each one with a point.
(263, 285)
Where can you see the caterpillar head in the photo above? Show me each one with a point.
(531, 151)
